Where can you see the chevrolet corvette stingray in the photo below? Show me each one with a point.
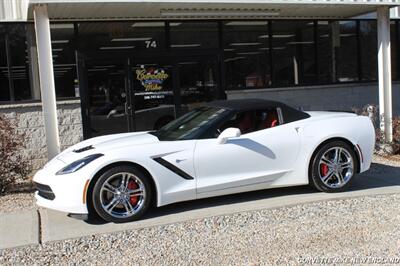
(222, 147)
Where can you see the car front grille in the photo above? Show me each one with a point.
(45, 191)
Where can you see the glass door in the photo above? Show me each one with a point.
(143, 94)
(167, 89)
(107, 97)
(153, 94)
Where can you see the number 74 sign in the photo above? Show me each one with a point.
(150, 44)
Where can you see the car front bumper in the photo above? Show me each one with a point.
(65, 193)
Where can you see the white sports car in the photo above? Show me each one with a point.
(221, 148)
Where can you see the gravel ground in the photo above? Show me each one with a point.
(387, 160)
(17, 202)
(339, 229)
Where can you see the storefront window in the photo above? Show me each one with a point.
(343, 51)
(62, 42)
(19, 55)
(14, 49)
(395, 38)
(369, 50)
(193, 35)
(293, 53)
(198, 81)
(4, 86)
(337, 47)
(246, 54)
(121, 36)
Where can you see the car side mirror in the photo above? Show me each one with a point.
(228, 134)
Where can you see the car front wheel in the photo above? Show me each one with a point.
(334, 167)
(121, 194)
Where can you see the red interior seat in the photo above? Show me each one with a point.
(271, 120)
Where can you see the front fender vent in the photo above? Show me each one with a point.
(84, 149)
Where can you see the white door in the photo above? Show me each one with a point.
(252, 161)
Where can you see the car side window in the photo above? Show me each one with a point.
(268, 118)
(252, 120)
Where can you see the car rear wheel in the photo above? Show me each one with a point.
(122, 194)
(333, 167)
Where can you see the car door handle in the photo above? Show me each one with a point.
(180, 160)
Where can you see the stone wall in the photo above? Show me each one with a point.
(29, 119)
(328, 97)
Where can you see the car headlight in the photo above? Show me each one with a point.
(75, 166)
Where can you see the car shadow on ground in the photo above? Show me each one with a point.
(378, 176)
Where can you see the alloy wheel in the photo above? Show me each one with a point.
(336, 167)
(122, 195)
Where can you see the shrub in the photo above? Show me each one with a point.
(380, 138)
(13, 165)
(396, 134)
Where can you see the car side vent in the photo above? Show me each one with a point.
(84, 149)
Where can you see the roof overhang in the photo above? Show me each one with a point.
(14, 10)
(201, 9)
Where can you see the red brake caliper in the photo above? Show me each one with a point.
(134, 199)
(324, 169)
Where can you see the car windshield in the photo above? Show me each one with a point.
(191, 125)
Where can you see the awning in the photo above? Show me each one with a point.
(200, 9)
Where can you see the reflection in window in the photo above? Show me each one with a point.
(337, 43)
(198, 81)
(107, 98)
(193, 35)
(121, 36)
(153, 88)
(246, 54)
(62, 42)
(369, 50)
(395, 38)
(14, 56)
(293, 53)
(192, 125)
(4, 85)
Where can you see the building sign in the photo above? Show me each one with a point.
(152, 79)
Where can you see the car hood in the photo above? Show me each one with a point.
(105, 143)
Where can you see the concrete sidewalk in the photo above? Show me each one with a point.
(23, 228)
(19, 229)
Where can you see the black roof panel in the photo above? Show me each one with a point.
(290, 114)
(244, 104)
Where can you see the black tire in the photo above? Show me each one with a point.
(99, 196)
(316, 173)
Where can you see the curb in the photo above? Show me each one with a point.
(19, 229)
